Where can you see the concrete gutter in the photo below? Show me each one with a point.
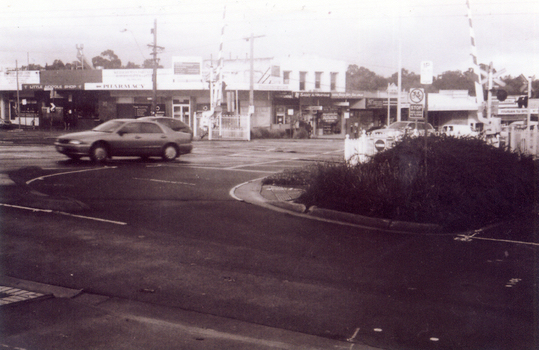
(254, 192)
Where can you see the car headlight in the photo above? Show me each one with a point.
(75, 142)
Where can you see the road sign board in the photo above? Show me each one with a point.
(416, 111)
(380, 145)
(417, 96)
(426, 72)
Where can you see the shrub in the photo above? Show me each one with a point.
(459, 183)
(265, 133)
(301, 134)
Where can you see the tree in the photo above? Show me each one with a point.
(131, 65)
(360, 78)
(409, 79)
(108, 60)
(32, 66)
(455, 80)
(56, 65)
(148, 63)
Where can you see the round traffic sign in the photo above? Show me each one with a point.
(417, 95)
(380, 145)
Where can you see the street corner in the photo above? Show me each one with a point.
(284, 198)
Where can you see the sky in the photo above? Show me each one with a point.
(375, 34)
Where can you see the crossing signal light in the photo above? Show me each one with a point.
(501, 95)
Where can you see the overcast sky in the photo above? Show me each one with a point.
(362, 32)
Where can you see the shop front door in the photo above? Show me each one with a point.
(182, 112)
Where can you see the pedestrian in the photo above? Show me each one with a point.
(68, 119)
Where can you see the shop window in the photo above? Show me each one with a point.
(333, 84)
(317, 80)
(302, 80)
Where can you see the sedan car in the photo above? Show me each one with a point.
(125, 137)
(399, 129)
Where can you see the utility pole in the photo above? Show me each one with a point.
(18, 99)
(155, 63)
(252, 74)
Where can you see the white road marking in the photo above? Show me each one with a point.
(467, 238)
(353, 336)
(165, 181)
(68, 172)
(62, 213)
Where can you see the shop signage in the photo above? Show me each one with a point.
(51, 87)
(187, 65)
(347, 94)
(8, 80)
(101, 86)
(187, 68)
(312, 94)
(374, 103)
(330, 117)
(285, 95)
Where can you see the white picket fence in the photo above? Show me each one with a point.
(524, 141)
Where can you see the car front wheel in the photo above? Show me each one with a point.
(170, 152)
(99, 153)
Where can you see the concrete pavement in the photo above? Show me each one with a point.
(62, 318)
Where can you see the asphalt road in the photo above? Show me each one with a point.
(171, 235)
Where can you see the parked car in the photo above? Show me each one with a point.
(458, 130)
(399, 129)
(373, 128)
(174, 124)
(125, 137)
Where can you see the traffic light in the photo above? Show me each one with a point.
(522, 102)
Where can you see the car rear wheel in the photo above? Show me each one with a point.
(170, 152)
(99, 153)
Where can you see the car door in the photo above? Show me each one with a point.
(153, 138)
(127, 140)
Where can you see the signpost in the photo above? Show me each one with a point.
(417, 103)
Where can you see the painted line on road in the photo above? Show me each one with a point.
(68, 172)
(49, 211)
(466, 238)
(252, 164)
(165, 181)
(227, 169)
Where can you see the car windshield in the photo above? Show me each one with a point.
(398, 125)
(109, 126)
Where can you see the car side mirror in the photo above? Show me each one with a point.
(122, 132)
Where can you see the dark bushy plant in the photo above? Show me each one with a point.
(265, 133)
(459, 183)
